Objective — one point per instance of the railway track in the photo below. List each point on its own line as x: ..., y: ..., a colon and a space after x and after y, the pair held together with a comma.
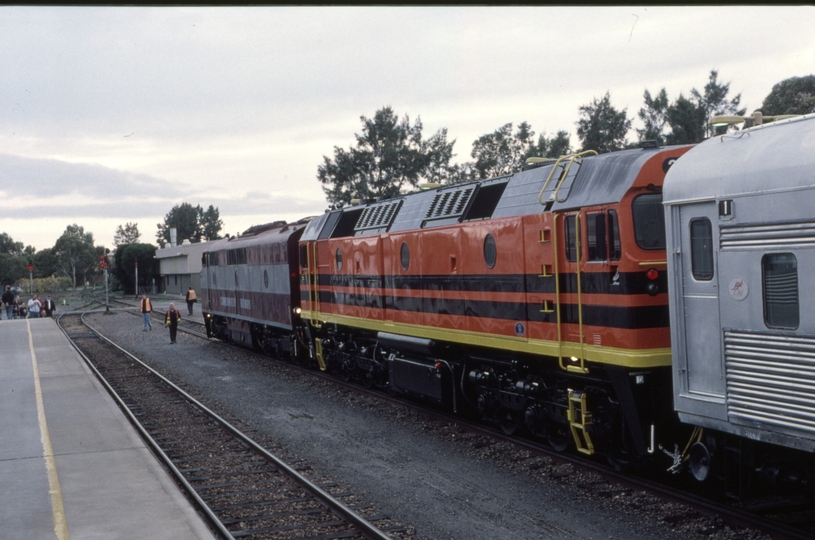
x: 789, y: 517
x: 243, y: 490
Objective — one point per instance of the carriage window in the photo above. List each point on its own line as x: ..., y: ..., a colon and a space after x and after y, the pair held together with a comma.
x: 701, y: 249
x: 780, y: 280
x: 266, y: 279
x: 339, y: 259
x: 649, y: 221
x: 571, y: 238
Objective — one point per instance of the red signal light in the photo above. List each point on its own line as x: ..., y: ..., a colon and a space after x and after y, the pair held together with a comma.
x: 652, y: 274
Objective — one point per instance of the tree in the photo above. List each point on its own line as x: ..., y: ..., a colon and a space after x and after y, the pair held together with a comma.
x: 504, y: 152
x: 12, y: 268
x: 75, y: 253
x: 602, y: 127
x: 558, y: 145
x: 129, y: 234
x: 795, y: 95
x: 8, y: 245
x: 124, y: 265
x: 191, y: 223
x: 714, y: 102
x: 654, y: 115
x: 687, y: 121
x: 211, y: 223
x: 390, y: 156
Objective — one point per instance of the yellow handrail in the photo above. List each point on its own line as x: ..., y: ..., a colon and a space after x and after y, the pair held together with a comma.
x: 571, y: 158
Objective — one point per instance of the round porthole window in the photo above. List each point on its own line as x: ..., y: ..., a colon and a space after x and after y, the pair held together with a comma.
x: 490, y: 253
x: 339, y: 259
x: 405, y: 256
x: 266, y: 279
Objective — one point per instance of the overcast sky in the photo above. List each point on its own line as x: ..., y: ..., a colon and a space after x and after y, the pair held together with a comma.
x: 111, y: 115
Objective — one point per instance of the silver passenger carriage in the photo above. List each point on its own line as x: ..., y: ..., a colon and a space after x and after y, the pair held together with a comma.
x: 740, y: 227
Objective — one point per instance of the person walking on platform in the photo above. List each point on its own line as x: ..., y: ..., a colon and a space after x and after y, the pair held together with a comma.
x: 171, y: 320
x: 191, y: 299
x: 34, y: 306
x: 8, y: 302
x: 49, y: 307
x: 146, y: 308
x: 17, y: 307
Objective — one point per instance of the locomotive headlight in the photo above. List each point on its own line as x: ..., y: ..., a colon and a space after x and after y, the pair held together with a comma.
x: 574, y: 359
x: 652, y: 289
x: 297, y: 311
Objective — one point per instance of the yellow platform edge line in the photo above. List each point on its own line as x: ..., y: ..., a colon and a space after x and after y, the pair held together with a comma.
x: 57, y: 509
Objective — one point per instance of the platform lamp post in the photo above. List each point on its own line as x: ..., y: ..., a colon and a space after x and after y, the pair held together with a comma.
x: 137, y: 278
x: 30, y: 278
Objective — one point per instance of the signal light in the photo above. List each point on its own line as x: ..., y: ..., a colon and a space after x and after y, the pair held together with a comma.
x: 652, y: 274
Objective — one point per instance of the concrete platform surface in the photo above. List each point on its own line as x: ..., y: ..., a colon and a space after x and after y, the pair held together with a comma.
x: 71, y: 465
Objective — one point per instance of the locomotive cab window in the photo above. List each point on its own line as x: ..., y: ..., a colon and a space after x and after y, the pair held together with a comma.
x: 339, y: 259
x: 780, y: 280
x: 649, y: 221
x: 570, y: 232
x: 602, y: 236
x: 701, y: 249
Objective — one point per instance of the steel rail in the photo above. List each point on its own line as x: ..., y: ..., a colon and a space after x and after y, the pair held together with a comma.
x: 367, y: 529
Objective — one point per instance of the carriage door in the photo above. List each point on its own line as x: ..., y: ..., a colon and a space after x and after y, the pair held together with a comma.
x: 700, y: 295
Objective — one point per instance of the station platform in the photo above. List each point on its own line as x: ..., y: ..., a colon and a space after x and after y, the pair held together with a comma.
x: 71, y: 465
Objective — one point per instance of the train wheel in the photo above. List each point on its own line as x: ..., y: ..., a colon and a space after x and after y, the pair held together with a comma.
x: 510, y: 422
x: 559, y: 440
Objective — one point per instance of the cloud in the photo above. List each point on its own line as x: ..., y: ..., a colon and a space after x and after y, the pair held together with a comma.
x: 35, y: 179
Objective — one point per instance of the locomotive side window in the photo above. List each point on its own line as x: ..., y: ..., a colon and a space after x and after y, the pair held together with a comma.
x: 404, y: 255
x: 780, y: 280
x: 649, y: 221
x: 603, y: 236
x: 596, y: 237
x: 614, y: 236
x: 303, y: 256
x: 701, y: 249
x: 569, y: 231
x: 339, y: 259
x: 490, y: 251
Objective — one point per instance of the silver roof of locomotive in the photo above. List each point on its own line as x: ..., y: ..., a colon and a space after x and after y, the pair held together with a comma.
x: 602, y: 179
x: 770, y: 157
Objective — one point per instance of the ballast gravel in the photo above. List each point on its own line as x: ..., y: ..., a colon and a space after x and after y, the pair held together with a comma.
x: 433, y: 477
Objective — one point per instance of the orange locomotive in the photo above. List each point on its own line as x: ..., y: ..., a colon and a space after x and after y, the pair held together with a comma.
x: 538, y: 299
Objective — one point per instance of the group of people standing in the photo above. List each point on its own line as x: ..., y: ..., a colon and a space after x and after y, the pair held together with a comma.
x: 171, y: 318
x: 34, y: 308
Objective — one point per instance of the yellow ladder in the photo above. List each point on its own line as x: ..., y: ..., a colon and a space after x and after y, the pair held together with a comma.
x: 579, y: 418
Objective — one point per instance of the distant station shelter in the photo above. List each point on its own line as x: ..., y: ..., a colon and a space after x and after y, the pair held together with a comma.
x: 180, y: 266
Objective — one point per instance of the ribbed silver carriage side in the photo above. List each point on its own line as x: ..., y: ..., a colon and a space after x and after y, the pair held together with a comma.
x: 740, y: 226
